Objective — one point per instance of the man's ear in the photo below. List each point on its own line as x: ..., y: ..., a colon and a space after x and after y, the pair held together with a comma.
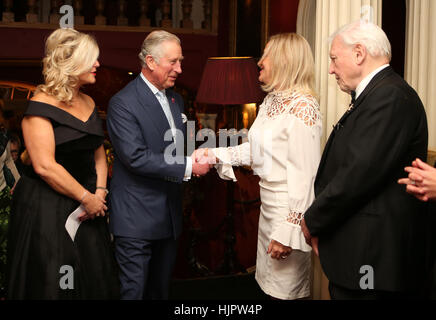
x: 359, y: 53
x: 149, y: 60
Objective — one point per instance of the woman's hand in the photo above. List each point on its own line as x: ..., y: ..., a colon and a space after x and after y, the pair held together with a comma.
x: 94, y: 205
x: 101, y: 194
x: 204, y: 156
x: 278, y: 251
x: 421, y: 181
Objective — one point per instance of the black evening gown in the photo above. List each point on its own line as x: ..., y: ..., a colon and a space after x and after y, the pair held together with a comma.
x: 38, y: 243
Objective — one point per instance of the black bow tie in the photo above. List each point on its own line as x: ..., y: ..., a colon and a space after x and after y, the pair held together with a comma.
x: 353, y: 97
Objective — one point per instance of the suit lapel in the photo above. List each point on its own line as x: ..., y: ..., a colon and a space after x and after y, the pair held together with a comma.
x: 324, y: 156
x: 175, y: 109
x: 152, y: 106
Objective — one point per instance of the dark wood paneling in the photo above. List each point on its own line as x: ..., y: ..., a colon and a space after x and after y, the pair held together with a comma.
x: 394, y: 24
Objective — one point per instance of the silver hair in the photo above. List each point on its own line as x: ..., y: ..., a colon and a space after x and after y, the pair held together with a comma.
x: 367, y: 34
x: 152, y: 45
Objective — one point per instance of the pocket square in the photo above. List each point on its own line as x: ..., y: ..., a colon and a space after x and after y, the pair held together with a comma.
x: 184, y: 118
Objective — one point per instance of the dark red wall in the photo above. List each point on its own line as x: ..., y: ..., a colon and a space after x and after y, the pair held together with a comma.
x: 120, y: 49
x: 223, y: 29
x: 394, y: 24
x: 283, y: 16
x: 117, y: 49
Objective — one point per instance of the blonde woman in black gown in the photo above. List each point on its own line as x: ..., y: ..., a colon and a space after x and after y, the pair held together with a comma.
x: 64, y: 138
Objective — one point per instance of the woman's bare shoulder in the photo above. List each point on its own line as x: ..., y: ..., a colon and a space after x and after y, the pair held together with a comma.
x: 45, y: 98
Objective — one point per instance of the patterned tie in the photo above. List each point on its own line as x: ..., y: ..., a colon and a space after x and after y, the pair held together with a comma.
x: 166, y: 109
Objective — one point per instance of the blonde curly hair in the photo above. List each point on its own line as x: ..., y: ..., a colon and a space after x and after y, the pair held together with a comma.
x: 68, y: 54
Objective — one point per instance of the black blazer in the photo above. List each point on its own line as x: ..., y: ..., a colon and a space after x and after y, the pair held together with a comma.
x: 361, y: 215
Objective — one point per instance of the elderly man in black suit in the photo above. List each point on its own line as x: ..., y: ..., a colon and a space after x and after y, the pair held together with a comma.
x: 369, y: 231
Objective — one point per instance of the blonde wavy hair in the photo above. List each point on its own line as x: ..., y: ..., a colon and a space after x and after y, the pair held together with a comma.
x: 68, y: 54
x: 292, y: 64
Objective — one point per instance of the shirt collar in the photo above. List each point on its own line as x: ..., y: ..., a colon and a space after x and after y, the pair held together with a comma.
x: 151, y: 86
x: 362, y: 85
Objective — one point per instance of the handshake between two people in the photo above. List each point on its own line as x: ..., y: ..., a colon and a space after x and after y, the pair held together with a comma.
x: 202, y: 161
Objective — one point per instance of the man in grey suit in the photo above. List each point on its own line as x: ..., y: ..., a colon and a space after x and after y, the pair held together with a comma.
x: 145, y: 124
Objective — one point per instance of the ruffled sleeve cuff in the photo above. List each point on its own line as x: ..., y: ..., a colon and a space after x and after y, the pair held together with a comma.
x: 223, y: 166
x: 225, y: 171
x: 291, y: 235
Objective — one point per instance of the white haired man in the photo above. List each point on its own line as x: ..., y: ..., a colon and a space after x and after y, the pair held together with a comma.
x: 370, y: 232
x: 145, y: 122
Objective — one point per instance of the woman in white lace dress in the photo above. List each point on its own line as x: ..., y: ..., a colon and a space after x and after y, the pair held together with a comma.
x: 283, y: 148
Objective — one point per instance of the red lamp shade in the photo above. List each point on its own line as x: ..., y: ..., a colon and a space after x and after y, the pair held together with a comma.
x: 230, y: 81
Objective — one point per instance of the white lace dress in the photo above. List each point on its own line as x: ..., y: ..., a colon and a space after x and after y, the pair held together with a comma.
x: 283, y: 148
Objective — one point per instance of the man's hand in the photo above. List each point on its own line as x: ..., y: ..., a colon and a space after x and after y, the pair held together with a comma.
x: 306, y: 232
x: 199, y: 168
x: 278, y: 251
x: 314, y: 244
x: 311, y: 241
x: 202, y: 161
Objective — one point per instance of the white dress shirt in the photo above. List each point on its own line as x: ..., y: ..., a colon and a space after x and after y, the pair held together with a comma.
x: 163, y: 101
x: 362, y: 85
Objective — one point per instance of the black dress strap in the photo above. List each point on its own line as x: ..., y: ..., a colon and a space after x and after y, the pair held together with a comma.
x: 66, y: 126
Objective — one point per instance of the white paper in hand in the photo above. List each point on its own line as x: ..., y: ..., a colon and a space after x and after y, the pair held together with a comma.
x: 73, y: 222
